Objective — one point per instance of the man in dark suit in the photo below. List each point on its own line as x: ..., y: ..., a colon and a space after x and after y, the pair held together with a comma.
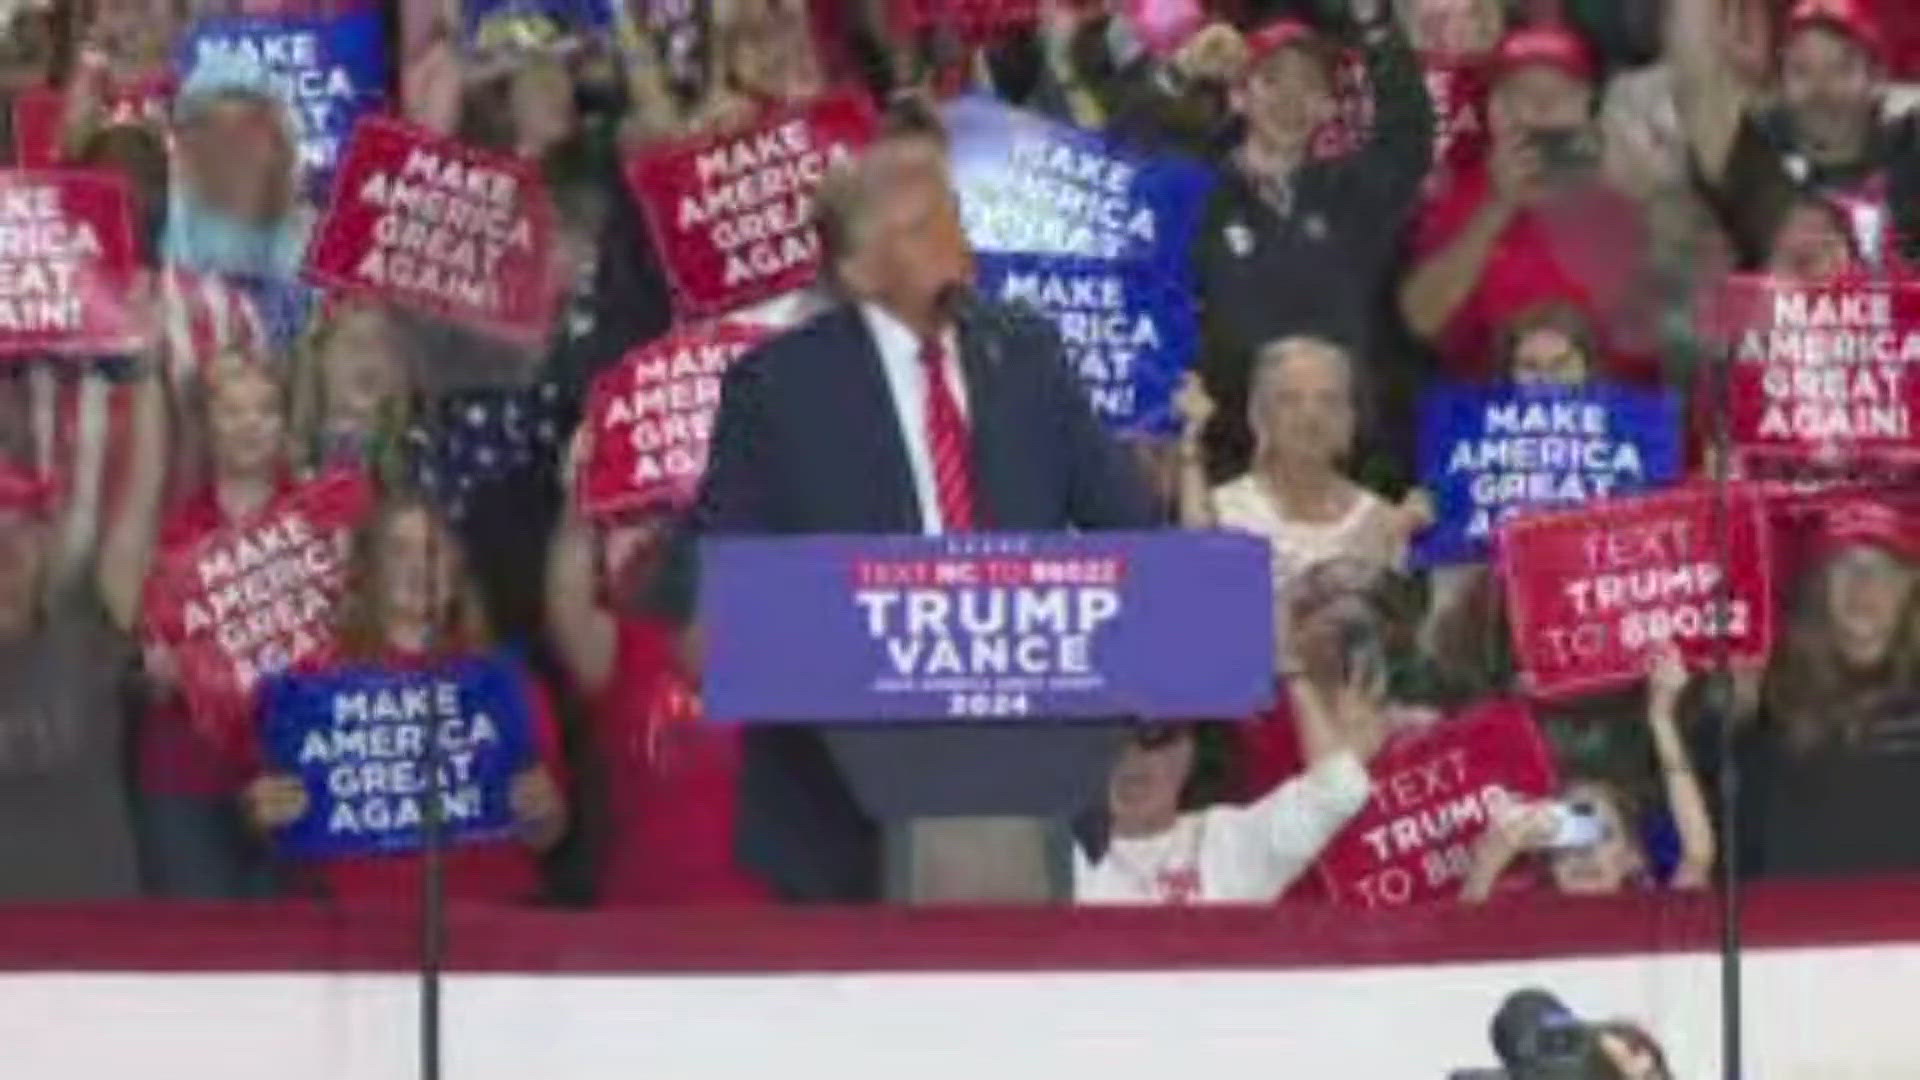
x: 896, y: 413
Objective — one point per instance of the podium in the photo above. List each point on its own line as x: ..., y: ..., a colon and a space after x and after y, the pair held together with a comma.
x: 983, y: 678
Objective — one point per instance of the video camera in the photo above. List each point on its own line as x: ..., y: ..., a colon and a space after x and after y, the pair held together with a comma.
x: 1538, y: 1038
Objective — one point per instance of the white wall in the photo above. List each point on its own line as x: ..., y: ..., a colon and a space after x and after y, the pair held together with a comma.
x: 1831, y: 1014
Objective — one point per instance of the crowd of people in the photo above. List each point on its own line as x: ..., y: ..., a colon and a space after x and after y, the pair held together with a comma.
x: 1483, y: 191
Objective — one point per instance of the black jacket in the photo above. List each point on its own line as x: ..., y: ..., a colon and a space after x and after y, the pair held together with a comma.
x: 1325, y: 267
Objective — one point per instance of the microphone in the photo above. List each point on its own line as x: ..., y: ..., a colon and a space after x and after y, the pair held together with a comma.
x: 987, y: 324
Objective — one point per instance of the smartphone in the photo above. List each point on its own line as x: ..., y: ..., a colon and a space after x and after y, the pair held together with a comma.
x: 1565, y: 151
x: 1577, y: 825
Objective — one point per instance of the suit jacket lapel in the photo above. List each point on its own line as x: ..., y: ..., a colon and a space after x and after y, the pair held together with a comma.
x: 894, y: 501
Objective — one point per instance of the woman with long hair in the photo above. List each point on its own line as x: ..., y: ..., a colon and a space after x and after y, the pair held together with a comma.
x: 350, y: 391
x: 764, y: 58
x: 411, y: 605
x: 192, y: 842
x: 1842, y: 743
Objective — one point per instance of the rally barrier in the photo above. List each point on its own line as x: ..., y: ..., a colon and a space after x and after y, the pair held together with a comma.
x: 358, y: 738
x: 985, y: 626
x: 440, y: 226
x: 732, y: 215
x: 1487, y: 453
x: 67, y: 264
x: 331, y: 71
x: 325, y: 994
x: 651, y: 419
x: 1591, y: 592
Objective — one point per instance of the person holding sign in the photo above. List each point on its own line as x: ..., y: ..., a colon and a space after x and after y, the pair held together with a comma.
x: 1842, y: 748
x: 1814, y: 243
x: 414, y: 609
x: 1591, y: 838
x: 1158, y: 849
x: 909, y: 408
x: 65, y: 827
x: 192, y: 842
x: 671, y: 779
x: 765, y: 59
x: 1295, y: 244
x: 1302, y: 412
x: 1550, y: 345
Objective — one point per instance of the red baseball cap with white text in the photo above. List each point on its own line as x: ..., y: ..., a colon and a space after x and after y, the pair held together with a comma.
x: 1550, y: 46
x: 1854, y: 522
x: 1849, y: 18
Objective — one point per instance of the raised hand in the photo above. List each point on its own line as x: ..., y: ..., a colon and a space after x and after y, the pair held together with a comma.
x: 1193, y: 405
x: 1667, y: 679
x: 274, y: 801
x: 539, y: 813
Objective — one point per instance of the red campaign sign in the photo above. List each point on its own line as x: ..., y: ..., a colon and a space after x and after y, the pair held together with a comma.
x: 255, y: 599
x: 732, y: 214
x: 1591, y: 591
x: 1436, y: 791
x: 67, y: 263
x: 433, y: 224
x: 1824, y: 372
x: 652, y: 415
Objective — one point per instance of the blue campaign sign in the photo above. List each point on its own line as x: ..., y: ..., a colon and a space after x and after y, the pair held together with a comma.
x: 1034, y: 186
x: 1487, y: 452
x: 984, y: 626
x: 357, y: 737
x: 1129, y: 332
x: 331, y: 71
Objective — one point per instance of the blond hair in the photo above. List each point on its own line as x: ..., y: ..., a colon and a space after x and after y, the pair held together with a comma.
x: 362, y: 617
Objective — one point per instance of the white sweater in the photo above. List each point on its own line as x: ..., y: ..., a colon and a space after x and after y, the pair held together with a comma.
x: 1230, y: 854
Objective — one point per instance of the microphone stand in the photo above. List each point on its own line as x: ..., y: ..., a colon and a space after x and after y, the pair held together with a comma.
x: 433, y: 929
x: 1720, y: 711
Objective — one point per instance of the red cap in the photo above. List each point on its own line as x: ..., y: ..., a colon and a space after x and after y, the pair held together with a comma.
x: 1276, y: 35
x: 1544, y: 46
x: 23, y: 490
x: 1847, y: 17
x: 1165, y: 25
x: 1855, y: 521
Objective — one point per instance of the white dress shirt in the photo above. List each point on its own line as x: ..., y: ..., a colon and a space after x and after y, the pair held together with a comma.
x: 899, y: 349
x: 1230, y: 854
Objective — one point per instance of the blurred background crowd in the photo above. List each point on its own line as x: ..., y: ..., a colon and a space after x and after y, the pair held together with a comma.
x: 1525, y: 191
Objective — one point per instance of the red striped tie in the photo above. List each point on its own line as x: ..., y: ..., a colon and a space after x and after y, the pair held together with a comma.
x: 948, y: 441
